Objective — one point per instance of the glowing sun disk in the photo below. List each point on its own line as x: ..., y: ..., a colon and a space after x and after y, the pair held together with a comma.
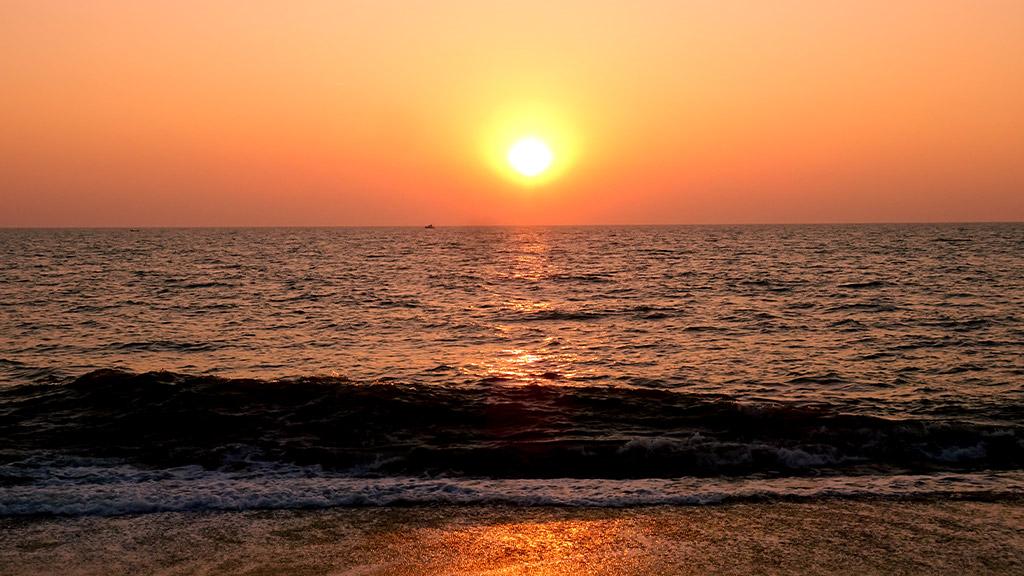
x: 530, y: 156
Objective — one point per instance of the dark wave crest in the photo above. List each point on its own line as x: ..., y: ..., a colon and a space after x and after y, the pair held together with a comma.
x: 163, y: 419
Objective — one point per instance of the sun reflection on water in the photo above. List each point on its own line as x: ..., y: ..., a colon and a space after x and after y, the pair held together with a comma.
x: 525, y: 367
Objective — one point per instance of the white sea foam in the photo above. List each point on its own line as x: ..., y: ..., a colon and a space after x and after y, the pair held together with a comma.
x: 105, y: 490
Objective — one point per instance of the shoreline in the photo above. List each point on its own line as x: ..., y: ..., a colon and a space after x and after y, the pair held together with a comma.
x: 112, y: 491
x: 823, y: 537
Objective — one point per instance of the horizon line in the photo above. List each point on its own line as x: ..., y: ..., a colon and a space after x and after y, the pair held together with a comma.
x: 598, y: 225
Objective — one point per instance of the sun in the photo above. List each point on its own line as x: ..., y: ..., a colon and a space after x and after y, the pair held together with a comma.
x: 530, y: 144
x: 530, y: 156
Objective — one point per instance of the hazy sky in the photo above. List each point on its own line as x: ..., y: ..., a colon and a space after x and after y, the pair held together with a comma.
x: 366, y: 113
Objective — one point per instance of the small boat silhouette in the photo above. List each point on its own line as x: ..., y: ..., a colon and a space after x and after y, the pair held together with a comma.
x: 430, y: 226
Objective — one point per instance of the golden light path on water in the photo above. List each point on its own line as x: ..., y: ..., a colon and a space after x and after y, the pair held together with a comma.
x: 545, y: 363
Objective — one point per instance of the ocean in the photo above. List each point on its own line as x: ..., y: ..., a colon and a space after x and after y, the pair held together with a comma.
x: 162, y: 370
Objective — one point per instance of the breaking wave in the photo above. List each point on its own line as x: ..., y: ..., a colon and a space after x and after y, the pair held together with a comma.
x: 165, y: 420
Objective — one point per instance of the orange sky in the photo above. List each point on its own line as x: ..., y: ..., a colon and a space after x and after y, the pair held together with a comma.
x: 332, y: 112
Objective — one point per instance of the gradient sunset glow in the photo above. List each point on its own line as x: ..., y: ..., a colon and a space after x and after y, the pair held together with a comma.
x: 377, y: 113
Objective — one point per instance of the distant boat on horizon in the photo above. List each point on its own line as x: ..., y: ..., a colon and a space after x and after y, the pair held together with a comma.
x: 430, y: 226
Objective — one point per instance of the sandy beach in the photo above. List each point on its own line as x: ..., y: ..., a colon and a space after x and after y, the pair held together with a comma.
x: 847, y: 537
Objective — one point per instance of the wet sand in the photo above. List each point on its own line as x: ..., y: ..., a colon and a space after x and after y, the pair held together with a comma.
x: 846, y: 537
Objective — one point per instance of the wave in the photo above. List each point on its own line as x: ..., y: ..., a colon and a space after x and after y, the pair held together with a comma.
x: 114, y: 490
x: 864, y: 284
x: 564, y: 315
x: 491, y: 429
x: 165, y: 346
